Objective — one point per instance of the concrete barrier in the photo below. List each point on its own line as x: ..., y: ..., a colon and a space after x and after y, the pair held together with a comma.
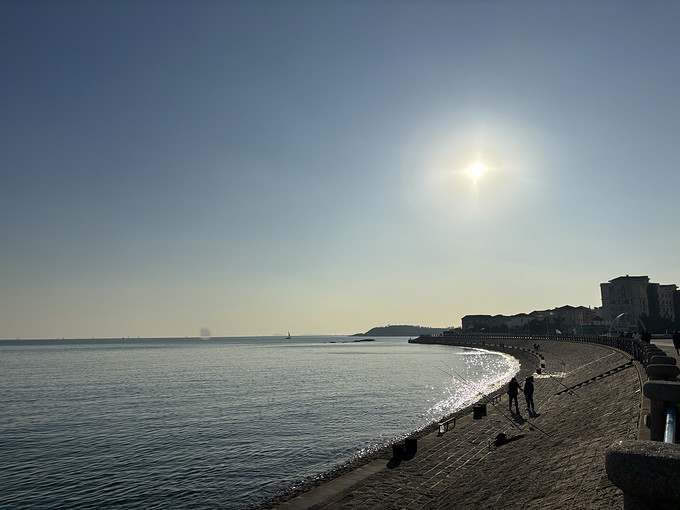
x: 663, y: 360
x: 660, y: 395
x: 648, y: 473
x: 662, y: 372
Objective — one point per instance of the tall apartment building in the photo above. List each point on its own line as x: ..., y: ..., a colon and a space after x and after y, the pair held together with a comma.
x: 661, y: 300
x: 625, y: 294
x: 635, y: 296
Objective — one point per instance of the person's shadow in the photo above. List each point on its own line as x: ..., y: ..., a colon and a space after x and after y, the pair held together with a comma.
x: 517, y: 418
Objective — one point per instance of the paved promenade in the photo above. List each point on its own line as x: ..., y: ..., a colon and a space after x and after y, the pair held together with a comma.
x: 555, y: 459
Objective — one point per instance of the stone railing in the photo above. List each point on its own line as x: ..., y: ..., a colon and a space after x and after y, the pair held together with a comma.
x: 648, y: 472
x: 624, y: 344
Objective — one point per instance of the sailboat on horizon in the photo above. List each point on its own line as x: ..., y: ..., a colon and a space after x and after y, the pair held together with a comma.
x: 288, y: 337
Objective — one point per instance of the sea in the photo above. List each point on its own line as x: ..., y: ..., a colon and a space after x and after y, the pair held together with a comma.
x: 220, y: 423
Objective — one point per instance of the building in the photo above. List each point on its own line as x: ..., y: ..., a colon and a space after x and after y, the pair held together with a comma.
x: 664, y: 300
x: 520, y: 321
x: 625, y: 294
x: 637, y: 297
x: 483, y: 322
x: 475, y: 322
x: 654, y: 306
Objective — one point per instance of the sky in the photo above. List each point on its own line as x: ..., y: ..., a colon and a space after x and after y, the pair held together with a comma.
x: 269, y: 166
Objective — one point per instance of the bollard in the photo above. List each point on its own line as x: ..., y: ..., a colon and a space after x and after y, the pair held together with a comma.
x: 479, y: 411
x: 410, y: 446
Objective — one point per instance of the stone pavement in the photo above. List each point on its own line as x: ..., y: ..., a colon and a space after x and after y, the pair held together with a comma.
x: 555, y: 459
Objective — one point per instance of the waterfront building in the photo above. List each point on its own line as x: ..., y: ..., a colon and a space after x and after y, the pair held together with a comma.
x: 637, y: 297
x: 625, y: 294
x: 653, y: 306
x: 484, y: 322
x: 663, y: 304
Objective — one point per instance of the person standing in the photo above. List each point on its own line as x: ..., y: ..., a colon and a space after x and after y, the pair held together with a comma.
x: 529, y: 393
x: 676, y: 341
x: 513, y: 390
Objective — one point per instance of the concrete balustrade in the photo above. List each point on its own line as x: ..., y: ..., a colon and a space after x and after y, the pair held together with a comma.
x: 665, y: 372
x: 648, y: 473
x: 651, y: 353
x: 663, y: 360
x: 660, y: 395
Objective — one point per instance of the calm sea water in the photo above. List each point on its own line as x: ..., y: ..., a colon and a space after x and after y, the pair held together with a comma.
x: 220, y: 423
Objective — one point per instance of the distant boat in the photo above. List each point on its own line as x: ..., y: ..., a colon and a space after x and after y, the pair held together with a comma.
x: 288, y: 337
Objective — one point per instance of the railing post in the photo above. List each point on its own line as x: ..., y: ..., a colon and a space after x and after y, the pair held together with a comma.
x: 660, y: 395
x: 648, y: 472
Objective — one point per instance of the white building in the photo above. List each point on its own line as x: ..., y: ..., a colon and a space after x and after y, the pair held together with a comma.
x: 625, y: 294
x: 635, y: 296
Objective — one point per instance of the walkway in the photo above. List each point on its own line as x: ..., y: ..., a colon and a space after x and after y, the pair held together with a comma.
x: 555, y: 460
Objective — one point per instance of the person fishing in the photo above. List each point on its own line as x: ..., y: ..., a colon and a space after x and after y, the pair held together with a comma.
x: 529, y: 393
x: 513, y: 390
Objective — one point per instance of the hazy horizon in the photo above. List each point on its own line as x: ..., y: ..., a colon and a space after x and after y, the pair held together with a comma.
x: 260, y: 167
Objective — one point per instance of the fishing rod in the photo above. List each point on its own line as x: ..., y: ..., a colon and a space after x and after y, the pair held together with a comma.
x: 484, y: 396
x: 490, y: 401
x: 571, y: 392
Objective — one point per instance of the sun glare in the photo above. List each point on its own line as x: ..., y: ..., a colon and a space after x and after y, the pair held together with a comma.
x: 476, y: 170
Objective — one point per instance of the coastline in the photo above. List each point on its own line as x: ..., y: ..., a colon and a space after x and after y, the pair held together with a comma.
x: 557, y: 460
x: 528, y: 362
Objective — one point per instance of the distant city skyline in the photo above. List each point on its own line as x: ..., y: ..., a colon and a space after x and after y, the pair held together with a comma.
x: 255, y: 168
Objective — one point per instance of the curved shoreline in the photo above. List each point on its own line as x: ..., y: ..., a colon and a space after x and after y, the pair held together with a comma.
x: 557, y: 460
x: 527, y: 364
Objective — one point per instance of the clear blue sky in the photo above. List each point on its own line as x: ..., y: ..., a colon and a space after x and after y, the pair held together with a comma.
x: 258, y: 167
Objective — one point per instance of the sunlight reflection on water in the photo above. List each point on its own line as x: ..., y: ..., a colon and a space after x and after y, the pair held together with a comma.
x: 218, y: 423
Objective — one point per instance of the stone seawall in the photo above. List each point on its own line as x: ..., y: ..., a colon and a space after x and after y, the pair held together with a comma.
x: 587, y: 397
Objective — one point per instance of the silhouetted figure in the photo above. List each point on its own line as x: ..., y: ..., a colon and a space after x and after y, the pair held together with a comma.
x: 513, y: 390
x: 529, y: 393
x: 676, y: 341
x: 646, y: 336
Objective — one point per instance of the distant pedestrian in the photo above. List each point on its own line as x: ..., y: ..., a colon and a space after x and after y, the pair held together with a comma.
x: 676, y: 341
x: 513, y: 390
x: 529, y: 393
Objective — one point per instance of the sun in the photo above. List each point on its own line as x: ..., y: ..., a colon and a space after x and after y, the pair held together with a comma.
x: 476, y: 170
